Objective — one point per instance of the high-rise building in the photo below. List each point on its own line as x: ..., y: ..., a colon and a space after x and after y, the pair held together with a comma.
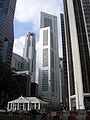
x: 77, y: 31
x: 19, y: 63
x: 30, y: 53
x: 48, y: 57
x: 65, y: 97
x: 7, y: 9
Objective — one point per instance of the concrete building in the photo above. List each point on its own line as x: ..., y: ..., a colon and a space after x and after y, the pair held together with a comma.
x: 29, y: 52
x: 25, y: 104
x: 7, y: 9
x: 77, y: 31
x: 48, y: 57
x: 65, y: 95
x: 19, y: 63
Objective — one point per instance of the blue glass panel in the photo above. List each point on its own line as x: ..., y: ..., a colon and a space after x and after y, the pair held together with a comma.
x: 4, y: 53
x: 4, y: 5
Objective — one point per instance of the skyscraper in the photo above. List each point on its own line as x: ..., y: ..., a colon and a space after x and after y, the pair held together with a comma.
x: 77, y: 26
x: 7, y: 9
x: 65, y: 80
x: 48, y: 57
x: 30, y: 53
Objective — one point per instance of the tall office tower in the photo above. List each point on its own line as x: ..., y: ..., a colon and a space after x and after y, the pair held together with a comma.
x: 30, y: 53
x: 77, y: 26
x: 48, y: 57
x: 65, y: 97
x: 7, y: 9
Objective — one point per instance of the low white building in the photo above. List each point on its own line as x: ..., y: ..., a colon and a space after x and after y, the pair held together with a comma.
x: 25, y: 104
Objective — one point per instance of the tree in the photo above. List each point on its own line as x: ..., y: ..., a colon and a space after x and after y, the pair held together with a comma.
x: 54, y: 106
x: 9, y: 87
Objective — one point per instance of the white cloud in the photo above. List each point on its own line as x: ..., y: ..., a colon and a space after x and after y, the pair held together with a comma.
x: 19, y: 45
x: 29, y: 10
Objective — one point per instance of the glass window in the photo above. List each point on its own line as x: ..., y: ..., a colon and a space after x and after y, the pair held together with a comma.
x: 4, y: 52
x: 45, y: 37
x: 45, y: 57
x: 1, y: 4
x: 47, y: 22
x: 45, y: 80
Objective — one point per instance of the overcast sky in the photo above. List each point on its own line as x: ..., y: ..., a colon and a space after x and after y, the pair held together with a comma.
x: 27, y: 19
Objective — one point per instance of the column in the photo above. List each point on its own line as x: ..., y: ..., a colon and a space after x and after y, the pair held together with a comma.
x: 23, y: 107
x: 8, y: 107
x: 13, y: 106
x: 38, y: 105
x: 34, y: 105
x: 28, y: 106
x: 18, y: 106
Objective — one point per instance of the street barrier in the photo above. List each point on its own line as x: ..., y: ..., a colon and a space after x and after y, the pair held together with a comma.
x: 73, y: 115
x: 87, y: 115
x: 58, y: 115
x: 81, y: 115
x: 48, y: 114
x: 65, y: 115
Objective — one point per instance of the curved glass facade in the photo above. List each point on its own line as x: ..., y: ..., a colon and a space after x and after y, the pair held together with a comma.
x: 7, y: 9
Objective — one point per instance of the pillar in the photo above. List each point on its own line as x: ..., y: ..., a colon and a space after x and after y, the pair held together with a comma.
x: 38, y: 105
x: 8, y: 107
x: 18, y: 106
x: 23, y: 107
x: 34, y: 105
x: 28, y: 106
x: 12, y: 106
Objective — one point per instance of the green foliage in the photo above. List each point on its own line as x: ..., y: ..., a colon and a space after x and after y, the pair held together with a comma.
x: 8, y: 85
x: 54, y: 107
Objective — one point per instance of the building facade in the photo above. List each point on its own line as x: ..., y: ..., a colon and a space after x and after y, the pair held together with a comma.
x: 48, y: 57
x: 77, y: 22
x: 30, y: 53
x: 7, y: 9
x: 65, y: 97
x: 19, y: 63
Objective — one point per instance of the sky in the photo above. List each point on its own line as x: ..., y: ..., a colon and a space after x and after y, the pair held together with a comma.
x: 27, y: 19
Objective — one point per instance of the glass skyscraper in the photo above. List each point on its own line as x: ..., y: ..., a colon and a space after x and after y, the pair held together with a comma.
x: 30, y: 53
x: 77, y: 38
x: 48, y: 58
x: 7, y: 9
x: 65, y: 80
